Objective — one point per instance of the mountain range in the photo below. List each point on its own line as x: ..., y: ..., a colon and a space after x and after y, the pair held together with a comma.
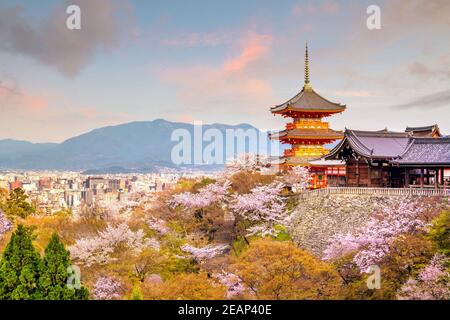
x: 141, y: 146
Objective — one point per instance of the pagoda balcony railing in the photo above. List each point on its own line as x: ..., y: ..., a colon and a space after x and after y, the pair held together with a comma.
x: 307, y: 124
x: 289, y: 153
x: 308, y: 151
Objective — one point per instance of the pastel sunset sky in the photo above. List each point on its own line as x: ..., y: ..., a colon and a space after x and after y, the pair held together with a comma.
x: 219, y: 62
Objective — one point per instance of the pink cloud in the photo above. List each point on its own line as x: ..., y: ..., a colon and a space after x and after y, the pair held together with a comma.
x: 187, y: 118
x: 34, y: 104
x: 232, y: 83
x: 23, y: 101
x: 254, y: 47
x: 88, y: 113
x: 4, y: 92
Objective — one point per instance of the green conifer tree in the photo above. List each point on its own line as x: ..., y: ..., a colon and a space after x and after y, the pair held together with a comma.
x: 20, y: 267
x: 55, y: 276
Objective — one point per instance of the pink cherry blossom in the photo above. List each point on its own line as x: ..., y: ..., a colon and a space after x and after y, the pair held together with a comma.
x: 264, y: 207
x: 107, y: 288
x: 211, y: 194
x: 234, y: 284
x: 298, y: 178
x: 430, y: 283
x: 158, y: 225
x: 98, y: 249
x: 373, y: 240
x: 5, y: 224
x: 208, y: 252
x: 246, y: 162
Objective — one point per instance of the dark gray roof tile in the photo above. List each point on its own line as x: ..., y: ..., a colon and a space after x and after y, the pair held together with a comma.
x: 427, y: 151
x: 309, y: 100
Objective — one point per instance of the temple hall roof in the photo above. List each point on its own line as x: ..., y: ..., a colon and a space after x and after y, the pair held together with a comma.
x: 426, y: 131
x: 426, y: 151
x: 381, y: 144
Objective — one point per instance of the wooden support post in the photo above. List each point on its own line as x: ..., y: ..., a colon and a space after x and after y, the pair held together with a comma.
x: 421, y: 177
x: 357, y: 172
x: 406, y: 178
x: 436, y: 178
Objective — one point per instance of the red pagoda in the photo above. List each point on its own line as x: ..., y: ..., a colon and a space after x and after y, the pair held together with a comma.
x: 307, y: 133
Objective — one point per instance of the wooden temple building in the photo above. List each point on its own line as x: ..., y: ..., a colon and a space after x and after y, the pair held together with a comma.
x: 418, y: 157
x: 308, y: 133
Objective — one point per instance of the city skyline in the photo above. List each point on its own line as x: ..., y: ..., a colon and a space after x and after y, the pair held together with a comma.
x: 218, y: 63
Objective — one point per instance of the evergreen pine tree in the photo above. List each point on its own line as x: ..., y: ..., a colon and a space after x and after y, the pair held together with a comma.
x: 20, y: 267
x: 54, y: 276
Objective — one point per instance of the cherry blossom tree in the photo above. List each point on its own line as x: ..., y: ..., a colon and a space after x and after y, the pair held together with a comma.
x: 234, y: 284
x: 316, y: 220
x: 208, y: 252
x: 98, y: 249
x: 5, y: 224
x: 211, y: 194
x: 158, y: 225
x: 246, y: 162
x: 431, y: 284
x: 264, y: 207
x: 373, y: 240
x: 298, y: 178
x: 107, y: 288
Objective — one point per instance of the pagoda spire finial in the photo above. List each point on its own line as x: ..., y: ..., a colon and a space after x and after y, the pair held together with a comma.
x: 307, y: 85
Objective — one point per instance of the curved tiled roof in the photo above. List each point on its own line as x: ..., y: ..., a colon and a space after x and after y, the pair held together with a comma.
x: 424, y: 128
x: 426, y: 151
x: 426, y: 131
x: 308, y: 100
x: 299, y: 133
x: 296, y: 160
x: 374, y: 144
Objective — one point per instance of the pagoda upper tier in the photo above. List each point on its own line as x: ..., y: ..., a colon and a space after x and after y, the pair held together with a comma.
x: 307, y: 104
x: 307, y: 133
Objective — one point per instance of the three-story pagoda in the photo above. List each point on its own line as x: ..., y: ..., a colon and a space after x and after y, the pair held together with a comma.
x: 307, y: 133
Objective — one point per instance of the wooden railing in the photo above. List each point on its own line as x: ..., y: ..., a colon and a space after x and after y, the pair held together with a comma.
x: 377, y: 191
x: 307, y: 124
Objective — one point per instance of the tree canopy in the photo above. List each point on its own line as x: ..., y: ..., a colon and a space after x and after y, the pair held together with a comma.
x: 280, y: 270
x: 17, y: 204
x: 24, y: 275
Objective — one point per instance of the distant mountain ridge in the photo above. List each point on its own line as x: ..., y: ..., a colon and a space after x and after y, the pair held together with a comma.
x: 10, y: 146
x: 135, y: 146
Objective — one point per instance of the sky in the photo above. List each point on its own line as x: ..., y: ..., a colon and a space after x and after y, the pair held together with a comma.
x: 219, y: 62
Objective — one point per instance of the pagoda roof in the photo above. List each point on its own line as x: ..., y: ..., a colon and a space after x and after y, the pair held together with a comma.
x: 306, y: 133
x: 426, y: 131
x: 308, y: 101
x: 382, y: 144
x: 297, y: 161
x: 426, y: 152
